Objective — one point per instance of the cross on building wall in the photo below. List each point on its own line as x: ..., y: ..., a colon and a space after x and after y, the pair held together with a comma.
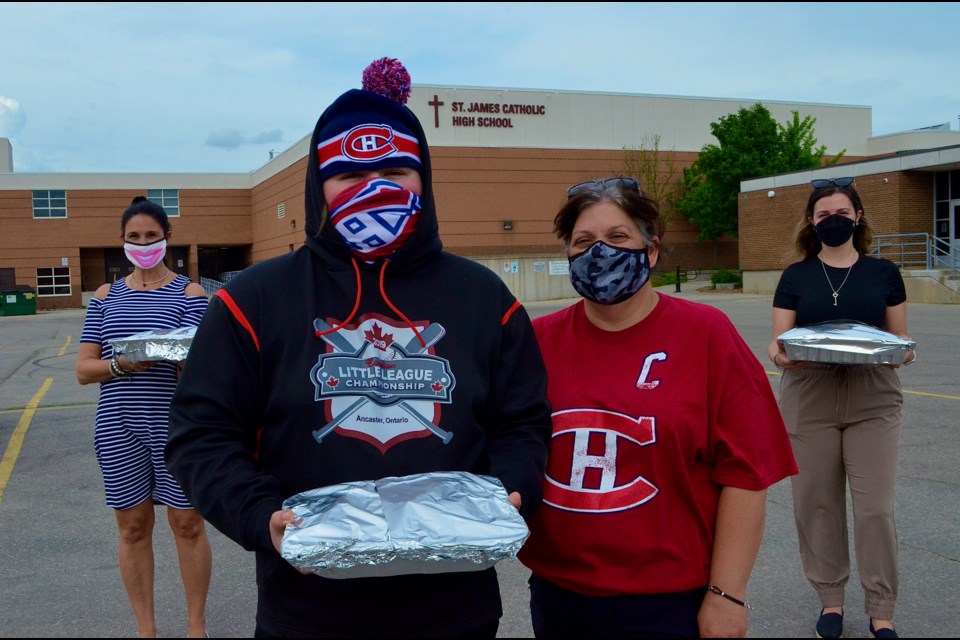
x: 436, y: 104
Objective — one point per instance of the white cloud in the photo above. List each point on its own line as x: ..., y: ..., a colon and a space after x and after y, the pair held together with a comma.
x: 232, y: 138
x: 225, y: 139
x: 274, y: 135
x: 12, y: 118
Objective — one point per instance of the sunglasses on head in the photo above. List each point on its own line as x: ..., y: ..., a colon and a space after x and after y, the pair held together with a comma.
x: 622, y: 182
x: 840, y: 182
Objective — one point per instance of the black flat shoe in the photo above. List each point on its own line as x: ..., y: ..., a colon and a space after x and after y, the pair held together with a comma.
x: 830, y: 625
x: 882, y: 632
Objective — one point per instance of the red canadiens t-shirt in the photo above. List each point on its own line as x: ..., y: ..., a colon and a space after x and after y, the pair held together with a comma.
x: 649, y: 424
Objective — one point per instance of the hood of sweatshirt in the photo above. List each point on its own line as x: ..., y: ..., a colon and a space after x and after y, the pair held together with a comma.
x: 423, y: 244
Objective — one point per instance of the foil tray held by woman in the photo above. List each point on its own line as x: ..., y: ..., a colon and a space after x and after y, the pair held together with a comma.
x: 845, y: 342
x: 424, y: 523
x: 171, y: 345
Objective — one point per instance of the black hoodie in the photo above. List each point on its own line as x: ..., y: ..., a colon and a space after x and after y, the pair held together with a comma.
x: 265, y: 410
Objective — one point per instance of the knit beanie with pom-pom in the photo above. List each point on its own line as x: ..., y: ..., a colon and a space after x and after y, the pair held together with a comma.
x: 370, y: 128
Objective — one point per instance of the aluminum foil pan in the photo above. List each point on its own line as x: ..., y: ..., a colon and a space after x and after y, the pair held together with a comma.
x: 435, y: 522
x: 844, y: 342
x: 161, y: 344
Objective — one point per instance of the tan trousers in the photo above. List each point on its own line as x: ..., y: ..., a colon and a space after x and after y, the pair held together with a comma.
x: 845, y: 426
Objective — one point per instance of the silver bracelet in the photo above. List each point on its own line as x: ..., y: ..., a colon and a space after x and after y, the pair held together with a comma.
x: 116, y: 371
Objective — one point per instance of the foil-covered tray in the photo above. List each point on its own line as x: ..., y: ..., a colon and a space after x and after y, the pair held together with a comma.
x: 434, y: 522
x: 159, y: 344
x: 845, y: 342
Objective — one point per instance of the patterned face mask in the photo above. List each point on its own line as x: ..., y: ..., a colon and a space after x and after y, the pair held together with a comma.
x: 375, y: 217
x: 608, y: 275
x: 145, y: 256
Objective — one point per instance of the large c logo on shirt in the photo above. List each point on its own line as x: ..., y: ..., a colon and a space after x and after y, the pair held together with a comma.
x: 593, y: 464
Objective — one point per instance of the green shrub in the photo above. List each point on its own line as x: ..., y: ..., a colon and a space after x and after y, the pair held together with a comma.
x: 663, y: 279
x: 722, y: 276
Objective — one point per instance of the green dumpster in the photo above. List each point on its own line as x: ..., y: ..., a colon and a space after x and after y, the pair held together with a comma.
x: 18, y: 301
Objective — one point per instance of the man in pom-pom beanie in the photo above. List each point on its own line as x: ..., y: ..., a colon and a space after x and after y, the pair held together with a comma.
x: 369, y: 353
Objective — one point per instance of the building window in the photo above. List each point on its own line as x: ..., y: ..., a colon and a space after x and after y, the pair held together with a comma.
x: 169, y: 199
x: 8, y: 279
x: 49, y: 204
x: 53, y: 281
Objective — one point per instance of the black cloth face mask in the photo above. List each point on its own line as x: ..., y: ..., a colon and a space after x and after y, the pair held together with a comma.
x: 834, y: 230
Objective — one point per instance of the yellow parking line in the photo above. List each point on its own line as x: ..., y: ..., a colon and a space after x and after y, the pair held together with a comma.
x: 55, y: 407
x: 66, y: 344
x: 16, y: 440
x: 932, y: 395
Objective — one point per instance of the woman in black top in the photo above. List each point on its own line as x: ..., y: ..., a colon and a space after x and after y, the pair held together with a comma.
x: 844, y: 420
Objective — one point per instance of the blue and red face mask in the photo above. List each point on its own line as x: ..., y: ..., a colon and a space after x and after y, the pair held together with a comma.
x: 375, y: 217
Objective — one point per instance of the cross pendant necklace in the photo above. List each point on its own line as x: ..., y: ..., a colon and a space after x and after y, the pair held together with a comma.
x: 836, y: 292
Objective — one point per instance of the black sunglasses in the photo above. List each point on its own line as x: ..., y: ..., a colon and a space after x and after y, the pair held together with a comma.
x: 622, y: 182
x: 840, y: 182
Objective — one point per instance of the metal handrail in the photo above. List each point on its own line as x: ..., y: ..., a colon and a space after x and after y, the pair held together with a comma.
x: 917, y: 251
x: 210, y: 286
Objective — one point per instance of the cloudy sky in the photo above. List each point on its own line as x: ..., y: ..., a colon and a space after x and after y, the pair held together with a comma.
x: 213, y: 87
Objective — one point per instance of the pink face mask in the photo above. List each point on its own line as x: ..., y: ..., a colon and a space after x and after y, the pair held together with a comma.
x: 145, y: 256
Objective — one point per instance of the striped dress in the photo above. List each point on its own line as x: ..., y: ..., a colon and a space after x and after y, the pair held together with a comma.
x: 132, y: 414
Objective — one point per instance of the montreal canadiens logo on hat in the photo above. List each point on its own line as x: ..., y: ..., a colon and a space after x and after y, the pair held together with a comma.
x: 367, y: 143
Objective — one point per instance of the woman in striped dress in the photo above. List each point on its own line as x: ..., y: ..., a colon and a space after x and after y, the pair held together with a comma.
x: 131, y: 424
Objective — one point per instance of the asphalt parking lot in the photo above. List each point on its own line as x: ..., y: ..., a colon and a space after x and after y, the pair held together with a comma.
x: 58, y: 540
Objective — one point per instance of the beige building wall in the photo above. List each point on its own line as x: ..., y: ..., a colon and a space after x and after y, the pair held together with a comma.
x: 278, y: 212
x: 528, y: 118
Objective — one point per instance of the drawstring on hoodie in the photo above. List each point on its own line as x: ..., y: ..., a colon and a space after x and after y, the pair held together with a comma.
x: 383, y: 294
x: 356, y: 304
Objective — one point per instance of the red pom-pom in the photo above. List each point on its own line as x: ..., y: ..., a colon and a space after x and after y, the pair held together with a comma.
x: 387, y: 77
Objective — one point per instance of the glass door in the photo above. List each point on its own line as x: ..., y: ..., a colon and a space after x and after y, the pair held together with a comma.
x: 955, y: 224
x: 954, y: 233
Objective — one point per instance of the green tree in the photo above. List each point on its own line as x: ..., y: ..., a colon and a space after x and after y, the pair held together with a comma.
x: 658, y: 175
x: 751, y: 145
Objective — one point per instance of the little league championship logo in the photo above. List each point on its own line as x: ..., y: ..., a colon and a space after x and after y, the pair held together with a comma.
x: 593, y: 465
x: 382, y: 383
